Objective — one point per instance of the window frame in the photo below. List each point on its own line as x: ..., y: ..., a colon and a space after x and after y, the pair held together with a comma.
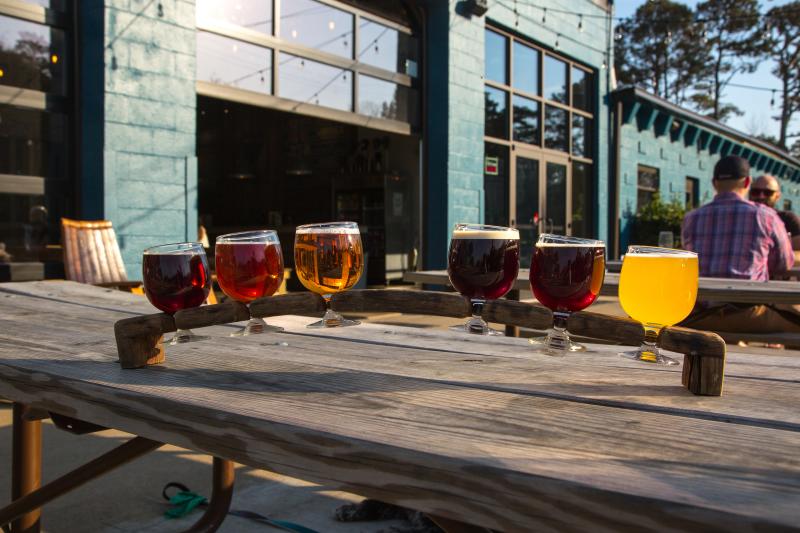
x: 695, y: 193
x: 542, y: 101
x: 273, y: 44
x: 639, y: 187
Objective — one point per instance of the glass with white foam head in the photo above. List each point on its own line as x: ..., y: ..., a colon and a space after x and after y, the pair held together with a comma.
x: 329, y: 258
x: 249, y: 266
x: 566, y: 276
x: 657, y: 287
x: 483, y: 263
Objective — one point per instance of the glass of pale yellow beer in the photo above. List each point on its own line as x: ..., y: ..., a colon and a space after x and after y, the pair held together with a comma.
x: 657, y: 287
x: 328, y: 258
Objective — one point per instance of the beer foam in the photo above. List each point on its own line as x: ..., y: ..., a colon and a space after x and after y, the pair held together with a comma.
x: 486, y: 234
x: 326, y: 231
x: 683, y: 254
x: 597, y: 244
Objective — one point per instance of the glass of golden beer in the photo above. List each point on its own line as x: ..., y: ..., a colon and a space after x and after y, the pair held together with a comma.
x: 657, y: 287
x: 328, y: 258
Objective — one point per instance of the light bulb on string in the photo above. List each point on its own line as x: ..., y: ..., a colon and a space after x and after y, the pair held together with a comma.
x: 617, y: 35
x: 544, y: 15
x: 580, y: 22
x: 558, y: 36
x: 772, y: 100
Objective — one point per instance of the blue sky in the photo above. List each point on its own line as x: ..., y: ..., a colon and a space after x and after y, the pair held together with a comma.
x: 757, y: 118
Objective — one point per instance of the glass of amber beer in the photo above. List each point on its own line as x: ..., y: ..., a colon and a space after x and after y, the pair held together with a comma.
x: 328, y: 258
x: 483, y: 264
x: 249, y: 266
x: 566, y: 276
x: 657, y: 287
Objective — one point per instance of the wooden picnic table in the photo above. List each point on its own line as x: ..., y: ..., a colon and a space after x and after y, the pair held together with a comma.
x: 709, y: 289
x: 483, y: 430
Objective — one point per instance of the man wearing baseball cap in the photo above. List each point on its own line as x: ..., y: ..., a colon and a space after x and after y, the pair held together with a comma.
x: 737, y: 238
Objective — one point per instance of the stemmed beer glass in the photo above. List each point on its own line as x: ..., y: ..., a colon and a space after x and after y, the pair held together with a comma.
x: 657, y: 287
x: 328, y: 258
x: 566, y: 276
x: 176, y: 277
x: 483, y: 264
x: 249, y: 266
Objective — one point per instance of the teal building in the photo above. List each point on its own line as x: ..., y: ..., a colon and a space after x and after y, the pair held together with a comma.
x: 406, y: 116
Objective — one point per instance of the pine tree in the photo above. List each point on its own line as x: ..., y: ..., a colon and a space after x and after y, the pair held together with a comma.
x: 782, y: 31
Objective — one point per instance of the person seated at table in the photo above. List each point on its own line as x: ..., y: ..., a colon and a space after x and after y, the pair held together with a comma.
x: 767, y: 190
x: 737, y: 238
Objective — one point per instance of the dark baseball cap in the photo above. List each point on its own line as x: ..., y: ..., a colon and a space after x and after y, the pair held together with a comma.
x: 731, y: 167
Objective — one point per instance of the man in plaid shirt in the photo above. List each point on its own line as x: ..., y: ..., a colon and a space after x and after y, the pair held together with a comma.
x: 737, y: 238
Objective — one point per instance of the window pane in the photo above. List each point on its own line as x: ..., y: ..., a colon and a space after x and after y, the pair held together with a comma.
x: 693, y: 193
x: 318, y: 26
x: 582, y: 89
x: 526, y: 120
x: 32, y: 143
x: 581, y: 136
x: 556, y: 128
x: 32, y: 56
x: 387, y: 48
x: 556, y: 198
x: 555, y: 79
x: 235, y: 63
x: 251, y: 14
x: 648, y: 182
x: 384, y: 99
x: 315, y: 83
x: 495, y: 184
x: 582, y: 213
x: 496, y: 57
x: 526, y: 68
x: 496, y: 106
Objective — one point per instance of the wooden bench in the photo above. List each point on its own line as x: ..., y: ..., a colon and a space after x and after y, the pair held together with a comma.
x: 139, y: 339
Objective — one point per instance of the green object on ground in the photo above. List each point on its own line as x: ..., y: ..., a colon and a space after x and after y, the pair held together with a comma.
x: 183, y: 503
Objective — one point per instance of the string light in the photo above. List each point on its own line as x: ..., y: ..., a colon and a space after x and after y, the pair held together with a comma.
x: 772, y: 100
x: 580, y: 22
x: 544, y: 16
x: 558, y: 36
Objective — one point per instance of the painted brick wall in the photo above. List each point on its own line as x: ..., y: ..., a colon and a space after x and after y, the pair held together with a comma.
x: 149, y: 177
x: 675, y: 162
x: 455, y: 126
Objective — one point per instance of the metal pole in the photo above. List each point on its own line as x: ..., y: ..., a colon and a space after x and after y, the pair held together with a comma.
x: 23, y: 506
x: 221, y: 495
x: 26, y: 468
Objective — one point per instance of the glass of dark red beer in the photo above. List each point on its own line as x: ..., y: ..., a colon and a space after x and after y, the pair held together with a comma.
x: 176, y: 277
x: 566, y: 276
x: 249, y: 266
x: 483, y: 264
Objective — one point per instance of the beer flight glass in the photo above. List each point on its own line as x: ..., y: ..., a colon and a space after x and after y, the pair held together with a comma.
x: 482, y: 264
x: 249, y: 266
x: 176, y: 277
x: 657, y: 287
x: 566, y: 275
x: 328, y: 258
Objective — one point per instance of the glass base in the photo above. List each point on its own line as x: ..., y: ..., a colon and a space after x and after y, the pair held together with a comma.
x: 333, y: 319
x: 254, y: 327
x: 650, y: 355
x: 555, y: 345
x: 182, y: 336
x: 467, y: 328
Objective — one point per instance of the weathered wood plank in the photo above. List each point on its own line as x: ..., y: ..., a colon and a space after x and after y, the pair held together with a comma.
x: 491, y: 458
x: 709, y: 289
x: 421, y: 302
x: 304, y: 303
x: 211, y: 315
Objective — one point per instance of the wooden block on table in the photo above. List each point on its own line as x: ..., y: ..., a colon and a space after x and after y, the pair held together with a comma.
x: 400, y: 301
x: 211, y: 315
x: 299, y: 303
x: 140, y: 339
x: 520, y: 314
x: 606, y: 327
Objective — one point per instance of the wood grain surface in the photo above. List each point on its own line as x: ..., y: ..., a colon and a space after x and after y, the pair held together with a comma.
x: 709, y: 289
x: 487, y: 431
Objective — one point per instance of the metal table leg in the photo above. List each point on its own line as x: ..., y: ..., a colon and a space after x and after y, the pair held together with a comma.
x: 221, y: 495
x: 26, y: 468
x: 29, y: 504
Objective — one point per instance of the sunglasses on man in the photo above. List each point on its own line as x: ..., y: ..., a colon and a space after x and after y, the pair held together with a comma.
x: 762, y: 192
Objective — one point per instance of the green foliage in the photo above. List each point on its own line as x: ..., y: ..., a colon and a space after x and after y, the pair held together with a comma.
x: 655, y: 217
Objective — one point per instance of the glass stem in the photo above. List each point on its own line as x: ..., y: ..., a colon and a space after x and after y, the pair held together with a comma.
x: 477, y: 308
x: 557, y: 338
x: 476, y: 324
x: 651, y: 338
